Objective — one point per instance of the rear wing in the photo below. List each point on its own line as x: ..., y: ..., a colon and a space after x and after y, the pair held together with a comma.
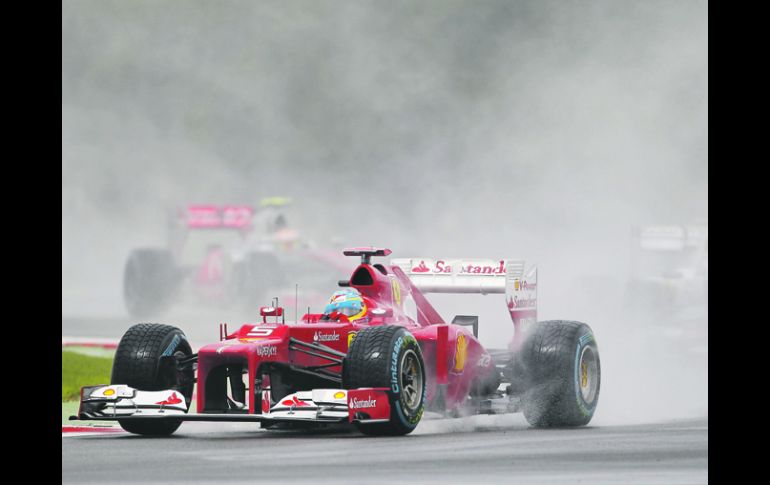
x: 461, y: 275
x: 670, y: 238
x: 482, y: 276
x: 212, y: 216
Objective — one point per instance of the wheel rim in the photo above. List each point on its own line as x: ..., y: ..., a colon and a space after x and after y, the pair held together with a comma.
x: 588, y: 374
x: 411, y: 381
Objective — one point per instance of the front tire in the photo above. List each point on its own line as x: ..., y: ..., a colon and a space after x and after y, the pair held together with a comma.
x: 375, y: 356
x: 146, y: 360
x: 563, y: 373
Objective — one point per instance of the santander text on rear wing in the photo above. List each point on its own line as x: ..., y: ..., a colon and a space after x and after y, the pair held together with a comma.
x: 483, y: 276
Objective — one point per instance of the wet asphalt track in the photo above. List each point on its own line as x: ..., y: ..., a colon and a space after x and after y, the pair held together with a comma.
x: 492, y: 449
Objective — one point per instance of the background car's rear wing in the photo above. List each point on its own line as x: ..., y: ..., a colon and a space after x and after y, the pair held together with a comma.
x: 482, y: 276
x: 212, y: 216
x: 670, y: 238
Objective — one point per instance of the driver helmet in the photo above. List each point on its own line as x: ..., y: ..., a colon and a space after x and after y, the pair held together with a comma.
x: 347, y: 302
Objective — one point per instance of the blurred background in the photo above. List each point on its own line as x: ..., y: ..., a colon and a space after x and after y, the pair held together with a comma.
x: 549, y: 131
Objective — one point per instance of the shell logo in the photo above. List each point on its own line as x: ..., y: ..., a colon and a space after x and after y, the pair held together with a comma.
x: 461, y: 353
x: 109, y: 392
x: 339, y: 395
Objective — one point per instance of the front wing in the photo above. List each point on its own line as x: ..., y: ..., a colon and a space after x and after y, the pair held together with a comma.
x: 120, y: 402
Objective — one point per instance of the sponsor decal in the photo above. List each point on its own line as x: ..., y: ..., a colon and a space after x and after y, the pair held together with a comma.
x: 172, y: 346
x: 485, y: 269
x: 339, y: 395
x: 351, y: 336
x: 172, y: 399
x: 484, y: 360
x: 524, y: 285
x: 461, y: 353
x: 396, y: 291
x: 326, y: 337
x: 441, y: 266
x: 394, y: 365
x: 516, y: 303
x: 213, y: 216
x: 109, y: 392
x: 236, y: 216
x: 267, y: 350
x: 203, y: 216
x: 420, y: 268
x: 260, y: 331
x: 294, y: 402
x: 356, y: 403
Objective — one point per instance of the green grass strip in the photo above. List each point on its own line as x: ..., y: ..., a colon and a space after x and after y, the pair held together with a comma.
x: 82, y: 370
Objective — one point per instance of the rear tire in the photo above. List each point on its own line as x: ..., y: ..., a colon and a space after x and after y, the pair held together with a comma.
x: 560, y: 360
x: 369, y: 363
x: 149, y: 280
x: 146, y: 360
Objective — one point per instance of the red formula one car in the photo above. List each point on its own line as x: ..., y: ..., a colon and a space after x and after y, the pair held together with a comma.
x: 379, y: 356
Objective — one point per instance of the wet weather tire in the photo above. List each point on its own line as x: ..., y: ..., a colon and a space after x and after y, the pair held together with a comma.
x: 146, y: 360
x: 563, y: 374
x: 149, y: 280
x: 388, y: 356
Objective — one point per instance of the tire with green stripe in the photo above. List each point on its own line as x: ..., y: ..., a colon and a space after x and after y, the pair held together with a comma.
x: 388, y: 356
x: 563, y: 374
x: 146, y: 360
